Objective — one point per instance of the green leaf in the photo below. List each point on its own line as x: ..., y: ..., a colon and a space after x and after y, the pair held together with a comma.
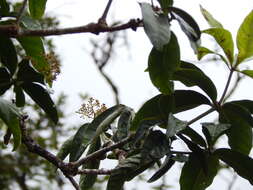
x: 27, y: 73
x: 194, y: 136
x: 37, y: 8
x: 165, y: 4
x: 156, y: 145
x: 188, y: 25
x: 240, y: 133
x: 10, y: 116
x: 194, y: 77
x: 203, y: 51
x: 193, y: 176
x: 249, y: 73
x: 20, y: 96
x: 241, y: 163
x: 174, y: 126
x: 4, y: 8
x: 224, y: 38
x: 156, y: 26
x: 214, y: 131
x: 210, y: 19
x: 247, y: 104
x: 88, y: 180
x: 244, y: 39
x: 65, y: 148
x: 162, y: 65
x: 8, y: 54
x: 41, y: 97
x: 30, y: 23
x: 5, y: 80
x: 167, y: 164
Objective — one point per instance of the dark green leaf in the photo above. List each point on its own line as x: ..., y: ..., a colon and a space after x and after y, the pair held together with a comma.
x: 8, y: 54
x: 65, y: 148
x: 41, y: 97
x: 20, y: 96
x: 174, y: 126
x: 241, y: 163
x: 244, y: 39
x: 214, y: 131
x: 240, y: 133
x: 87, y: 181
x: 156, y: 146
x: 10, y: 116
x: 224, y: 38
x: 37, y: 8
x: 193, y: 77
x: 193, y: 176
x: 194, y: 136
x: 162, y: 65
x: 4, y: 8
x: 167, y: 164
x: 188, y: 25
x: 210, y: 19
x: 5, y: 80
x: 165, y: 4
x: 248, y: 104
x: 27, y: 73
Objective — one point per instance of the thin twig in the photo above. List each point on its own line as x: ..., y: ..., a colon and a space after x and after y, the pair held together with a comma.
x: 102, y: 151
x: 95, y: 28
x: 200, y: 116
x: 21, y: 11
x: 103, y: 17
x: 74, y: 183
x: 96, y: 171
x: 227, y: 85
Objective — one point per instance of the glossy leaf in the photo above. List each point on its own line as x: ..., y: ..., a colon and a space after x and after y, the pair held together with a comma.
x: 240, y: 133
x: 244, y: 39
x: 194, y: 136
x: 193, y: 77
x: 88, y: 180
x: 10, y: 116
x: 188, y: 25
x: 167, y: 164
x: 27, y: 73
x: 241, y: 163
x: 193, y: 176
x: 156, y: 27
x: 65, y: 148
x: 224, y: 38
x: 203, y: 51
x: 174, y: 126
x: 156, y: 145
x: 213, y: 131
x: 41, y: 97
x: 20, y: 96
x: 210, y: 19
x: 162, y: 65
x: 37, y: 8
x: 8, y: 54
x: 5, y: 80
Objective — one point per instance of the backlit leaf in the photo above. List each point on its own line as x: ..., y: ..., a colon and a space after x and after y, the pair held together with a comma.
x: 203, y: 51
x: 37, y: 8
x: 249, y: 73
x: 210, y: 19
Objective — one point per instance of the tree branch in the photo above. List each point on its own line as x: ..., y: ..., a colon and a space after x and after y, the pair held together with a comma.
x: 96, y: 171
x: 103, y: 17
x: 72, y: 180
x: 95, y: 28
x: 227, y: 85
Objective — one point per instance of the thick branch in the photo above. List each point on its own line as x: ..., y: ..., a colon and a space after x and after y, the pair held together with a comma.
x: 95, y: 28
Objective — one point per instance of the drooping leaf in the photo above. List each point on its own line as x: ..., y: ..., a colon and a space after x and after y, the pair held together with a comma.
x: 37, y: 8
x: 194, y: 136
x: 224, y: 38
x: 240, y: 133
x: 241, y: 163
x: 193, y: 176
x: 203, y: 51
x: 162, y: 65
x: 167, y: 164
x: 174, y: 126
x: 4, y: 8
x: 10, y: 116
x: 244, y: 39
x: 155, y: 146
x: 8, y: 54
x: 41, y: 97
x: 87, y: 181
x: 5, y: 80
x: 249, y: 73
x: 210, y: 19
x: 65, y: 148
x: 188, y: 25
x: 20, y: 96
x: 27, y: 73
x: 156, y: 26
x: 193, y: 77
x: 213, y: 131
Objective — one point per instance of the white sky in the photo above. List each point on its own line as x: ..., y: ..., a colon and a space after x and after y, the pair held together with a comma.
x: 79, y: 74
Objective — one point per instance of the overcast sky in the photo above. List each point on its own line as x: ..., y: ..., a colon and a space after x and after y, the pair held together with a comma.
x: 79, y: 73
